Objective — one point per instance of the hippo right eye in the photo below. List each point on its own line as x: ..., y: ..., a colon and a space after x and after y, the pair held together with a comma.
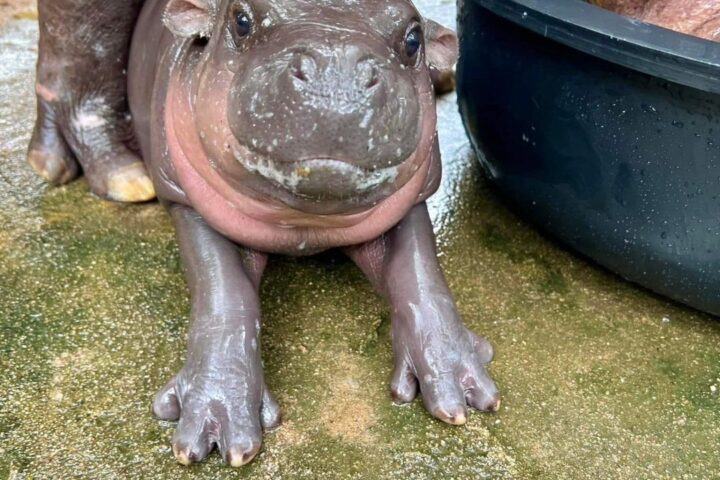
x: 413, y: 42
x: 243, y: 24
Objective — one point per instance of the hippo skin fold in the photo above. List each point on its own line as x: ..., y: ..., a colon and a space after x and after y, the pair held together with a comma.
x: 700, y: 18
x: 287, y: 127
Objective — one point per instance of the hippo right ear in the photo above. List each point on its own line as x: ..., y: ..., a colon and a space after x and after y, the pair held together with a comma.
x: 442, y: 54
x: 188, y: 18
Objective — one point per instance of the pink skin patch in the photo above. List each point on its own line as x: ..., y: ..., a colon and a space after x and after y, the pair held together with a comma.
x: 270, y: 226
x: 45, y: 93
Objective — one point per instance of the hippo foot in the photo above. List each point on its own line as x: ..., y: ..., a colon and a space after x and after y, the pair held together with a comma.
x: 224, y: 408
x: 446, y: 361
x: 92, y: 135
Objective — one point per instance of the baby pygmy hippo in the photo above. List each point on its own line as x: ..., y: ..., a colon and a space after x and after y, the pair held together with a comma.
x: 700, y: 18
x: 266, y: 126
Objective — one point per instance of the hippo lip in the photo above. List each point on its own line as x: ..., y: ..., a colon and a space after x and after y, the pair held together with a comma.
x: 364, y: 179
x: 293, y: 176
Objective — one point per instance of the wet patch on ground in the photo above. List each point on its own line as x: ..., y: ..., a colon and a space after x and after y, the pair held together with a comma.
x: 600, y: 379
x: 17, y: 10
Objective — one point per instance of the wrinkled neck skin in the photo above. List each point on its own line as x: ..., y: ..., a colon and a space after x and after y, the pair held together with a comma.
x: 244, y: 209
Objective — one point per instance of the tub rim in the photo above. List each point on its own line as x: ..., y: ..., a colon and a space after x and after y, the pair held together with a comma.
x: 640, y: 46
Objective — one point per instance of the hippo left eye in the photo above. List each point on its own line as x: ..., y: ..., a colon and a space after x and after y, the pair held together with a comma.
x: 243, y: 24
x: 413, y: 42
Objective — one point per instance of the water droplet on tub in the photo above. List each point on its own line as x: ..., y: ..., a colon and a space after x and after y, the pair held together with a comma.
x: 648, y: 108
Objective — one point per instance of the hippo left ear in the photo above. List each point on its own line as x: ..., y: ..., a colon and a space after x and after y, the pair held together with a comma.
x: 442, y: 54
x: 188, y: 18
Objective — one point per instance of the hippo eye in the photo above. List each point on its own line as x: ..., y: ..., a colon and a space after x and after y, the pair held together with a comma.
x: 413, y: 42
x: 243, y: 24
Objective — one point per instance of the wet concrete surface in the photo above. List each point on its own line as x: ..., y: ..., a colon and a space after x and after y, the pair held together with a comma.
x: 600, y: 379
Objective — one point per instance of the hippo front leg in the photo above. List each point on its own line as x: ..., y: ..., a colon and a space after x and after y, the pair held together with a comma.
x: 219, y: 396
x: 433, y: 349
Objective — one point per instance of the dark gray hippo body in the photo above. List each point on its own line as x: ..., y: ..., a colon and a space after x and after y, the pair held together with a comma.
x: 293, y: 127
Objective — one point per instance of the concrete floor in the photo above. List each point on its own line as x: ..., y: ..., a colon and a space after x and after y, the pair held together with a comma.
x: 600, y: 379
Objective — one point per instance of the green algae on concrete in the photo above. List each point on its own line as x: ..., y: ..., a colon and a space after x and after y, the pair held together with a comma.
x: 600, y: 379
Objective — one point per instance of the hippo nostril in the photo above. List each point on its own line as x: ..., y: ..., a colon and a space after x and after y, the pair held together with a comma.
x: 299, y: 75
x: 375, y: 80
x: 368, y: 74
x: 303, y: 67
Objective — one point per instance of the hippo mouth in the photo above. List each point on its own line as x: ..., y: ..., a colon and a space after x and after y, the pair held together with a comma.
x: 321, y: 178
x: 302, y: 176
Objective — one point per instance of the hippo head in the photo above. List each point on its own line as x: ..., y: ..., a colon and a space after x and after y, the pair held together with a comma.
x: 326, y: 106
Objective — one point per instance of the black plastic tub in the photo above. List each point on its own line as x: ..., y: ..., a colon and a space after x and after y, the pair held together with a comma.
x: 603, y: 131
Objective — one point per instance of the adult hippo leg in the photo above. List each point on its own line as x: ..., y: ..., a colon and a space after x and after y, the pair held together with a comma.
x: 219, y: 396
x: 433, y: 349
x: 83, y: 119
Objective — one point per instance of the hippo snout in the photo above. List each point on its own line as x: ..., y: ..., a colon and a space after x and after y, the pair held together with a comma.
x: 339, y: 85
x: 342, y: 101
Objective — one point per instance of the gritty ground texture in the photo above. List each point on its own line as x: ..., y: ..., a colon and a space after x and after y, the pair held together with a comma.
x: 600, y: 379
x: 17, y: 9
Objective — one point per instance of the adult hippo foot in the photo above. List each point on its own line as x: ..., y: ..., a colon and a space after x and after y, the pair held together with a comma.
x: 82, y: 116
x: 91, y: 133
x: 435, y: 352
x: 223, y: 408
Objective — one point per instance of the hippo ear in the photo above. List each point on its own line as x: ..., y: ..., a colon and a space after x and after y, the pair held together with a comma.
x: 188, y: 18
x: 442, y: 54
